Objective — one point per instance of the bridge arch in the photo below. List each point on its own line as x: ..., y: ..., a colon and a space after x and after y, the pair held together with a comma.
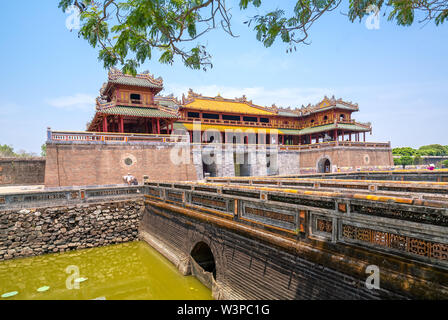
x: 204, y: 257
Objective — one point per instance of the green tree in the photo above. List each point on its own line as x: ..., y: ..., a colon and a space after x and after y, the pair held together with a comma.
x: 43, y: 149
x: 397, y: 161
x: 406, y: 160
x: 434, y: 150
x: 127, y: 31
x: 445, y: 163
x: 405, y: 151
x: 7, y: 151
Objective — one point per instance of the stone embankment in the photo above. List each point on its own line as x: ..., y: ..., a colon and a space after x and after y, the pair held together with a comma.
x: 32, y: 232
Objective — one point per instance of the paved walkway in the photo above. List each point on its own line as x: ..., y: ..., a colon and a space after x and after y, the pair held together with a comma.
x: 15, y: 189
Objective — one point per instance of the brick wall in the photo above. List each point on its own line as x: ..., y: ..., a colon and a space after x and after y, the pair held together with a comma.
x: 18, y: 171
x: 32, y: 232
x: 100, y: 164
x: 347, y: 157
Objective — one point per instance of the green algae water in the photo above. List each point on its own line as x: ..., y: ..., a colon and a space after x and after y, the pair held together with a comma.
x: 129, y: 271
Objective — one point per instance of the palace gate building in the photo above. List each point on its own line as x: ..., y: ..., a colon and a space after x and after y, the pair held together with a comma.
x: 136, y: 130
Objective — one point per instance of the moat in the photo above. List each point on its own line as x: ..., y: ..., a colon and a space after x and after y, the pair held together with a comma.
x: 129, y: 271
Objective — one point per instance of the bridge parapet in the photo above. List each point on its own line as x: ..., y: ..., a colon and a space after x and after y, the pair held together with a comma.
x: 438, y: 175
x: 423, y: 190
x: 402, y: 226
x: 68, y: 196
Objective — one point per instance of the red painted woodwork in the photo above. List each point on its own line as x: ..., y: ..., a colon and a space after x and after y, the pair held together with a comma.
x: 105, y: 129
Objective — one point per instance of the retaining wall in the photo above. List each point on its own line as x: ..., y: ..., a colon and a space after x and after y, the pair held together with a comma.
x: 22, y: 171
x: 32, y: 232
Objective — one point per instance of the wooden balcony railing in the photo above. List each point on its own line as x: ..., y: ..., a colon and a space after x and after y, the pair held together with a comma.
x: 275, y: 124
x: 136, y: 103
x: 66, y: 136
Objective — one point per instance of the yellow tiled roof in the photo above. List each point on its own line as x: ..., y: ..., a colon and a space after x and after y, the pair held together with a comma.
x: 226, y: 106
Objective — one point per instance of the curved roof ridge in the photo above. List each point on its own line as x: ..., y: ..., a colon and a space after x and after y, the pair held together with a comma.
x: 115, y: 73
x: 145, y: 80
x: 192, y: 96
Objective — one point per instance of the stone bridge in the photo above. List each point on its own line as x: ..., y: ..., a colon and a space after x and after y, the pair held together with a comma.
x: 257, y: 238
x: 279, y: 238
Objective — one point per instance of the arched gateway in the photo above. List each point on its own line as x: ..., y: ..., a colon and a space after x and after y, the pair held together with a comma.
x: 324, y: 165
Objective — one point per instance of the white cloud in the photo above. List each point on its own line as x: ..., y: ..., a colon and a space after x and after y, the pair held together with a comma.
x: 78, y: 101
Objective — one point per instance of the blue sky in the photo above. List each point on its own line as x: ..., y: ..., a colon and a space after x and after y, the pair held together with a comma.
x: 397, y: 75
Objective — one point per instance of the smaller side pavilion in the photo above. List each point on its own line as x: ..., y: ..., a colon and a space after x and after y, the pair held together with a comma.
x: 127, y: 105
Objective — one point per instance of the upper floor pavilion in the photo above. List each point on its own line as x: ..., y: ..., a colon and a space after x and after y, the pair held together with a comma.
x: 129, y: 104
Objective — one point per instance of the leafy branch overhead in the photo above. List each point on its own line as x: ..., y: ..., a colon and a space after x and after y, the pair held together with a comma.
x: 127, y: 31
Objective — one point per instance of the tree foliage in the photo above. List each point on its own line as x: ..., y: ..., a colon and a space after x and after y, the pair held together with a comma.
x: 428, y: 150
x: 405, y: 151
x: 43, y: 149
x: 406, y: 160
x: 127, y: 31
x: 445, y: 163
x: 433, y: 150
x: 8, y: 152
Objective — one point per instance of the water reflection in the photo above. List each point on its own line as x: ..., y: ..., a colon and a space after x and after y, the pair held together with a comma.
x: 125, y: 271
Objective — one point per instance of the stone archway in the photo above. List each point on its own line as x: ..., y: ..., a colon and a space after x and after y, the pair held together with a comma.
x: 324, y: 165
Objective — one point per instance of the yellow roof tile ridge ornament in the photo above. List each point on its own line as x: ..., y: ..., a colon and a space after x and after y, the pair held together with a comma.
x: 195, y: 97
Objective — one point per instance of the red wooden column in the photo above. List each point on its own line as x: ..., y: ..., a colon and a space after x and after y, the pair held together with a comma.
x: 158, y: 125
x: 121, y: 124
x: 105, y: 124
x: 364, y: 137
